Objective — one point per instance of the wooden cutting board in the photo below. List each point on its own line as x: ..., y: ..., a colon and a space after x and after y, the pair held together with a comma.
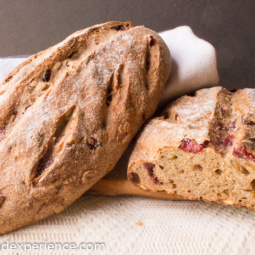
x: 115, y: 183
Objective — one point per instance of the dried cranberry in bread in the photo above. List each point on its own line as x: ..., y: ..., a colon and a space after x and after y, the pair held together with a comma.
x: 203, y: 148
x: 68, y: 113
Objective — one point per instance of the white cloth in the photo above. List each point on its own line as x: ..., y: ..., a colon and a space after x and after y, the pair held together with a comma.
x: 194, y: 63
x: 169, y: 227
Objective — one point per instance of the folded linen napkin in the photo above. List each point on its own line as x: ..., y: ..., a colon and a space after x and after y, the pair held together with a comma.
x: 194, y: 63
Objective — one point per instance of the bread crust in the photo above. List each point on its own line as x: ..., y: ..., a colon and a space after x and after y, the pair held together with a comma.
x: 68, y: 113
x: 202, y: 148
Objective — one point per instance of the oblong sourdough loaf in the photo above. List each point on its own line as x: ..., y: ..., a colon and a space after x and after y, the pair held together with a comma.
x: 68, y: 113
x: 202, y: 148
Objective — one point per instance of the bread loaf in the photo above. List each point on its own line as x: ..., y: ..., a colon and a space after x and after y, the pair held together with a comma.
x: 68, y: 113
x: 203, y: 148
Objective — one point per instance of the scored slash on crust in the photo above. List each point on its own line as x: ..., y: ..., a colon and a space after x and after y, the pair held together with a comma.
x: 1, y: 133
x: 2, y: 198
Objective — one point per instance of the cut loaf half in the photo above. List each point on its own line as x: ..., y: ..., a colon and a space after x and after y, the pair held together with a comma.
x: 203, y: 148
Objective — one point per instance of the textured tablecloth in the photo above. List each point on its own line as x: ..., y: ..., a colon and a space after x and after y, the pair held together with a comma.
x: 169, y: 227
x: 132, y: 225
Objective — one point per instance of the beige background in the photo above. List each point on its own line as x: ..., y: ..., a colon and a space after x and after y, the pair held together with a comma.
x: 28, y: 26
